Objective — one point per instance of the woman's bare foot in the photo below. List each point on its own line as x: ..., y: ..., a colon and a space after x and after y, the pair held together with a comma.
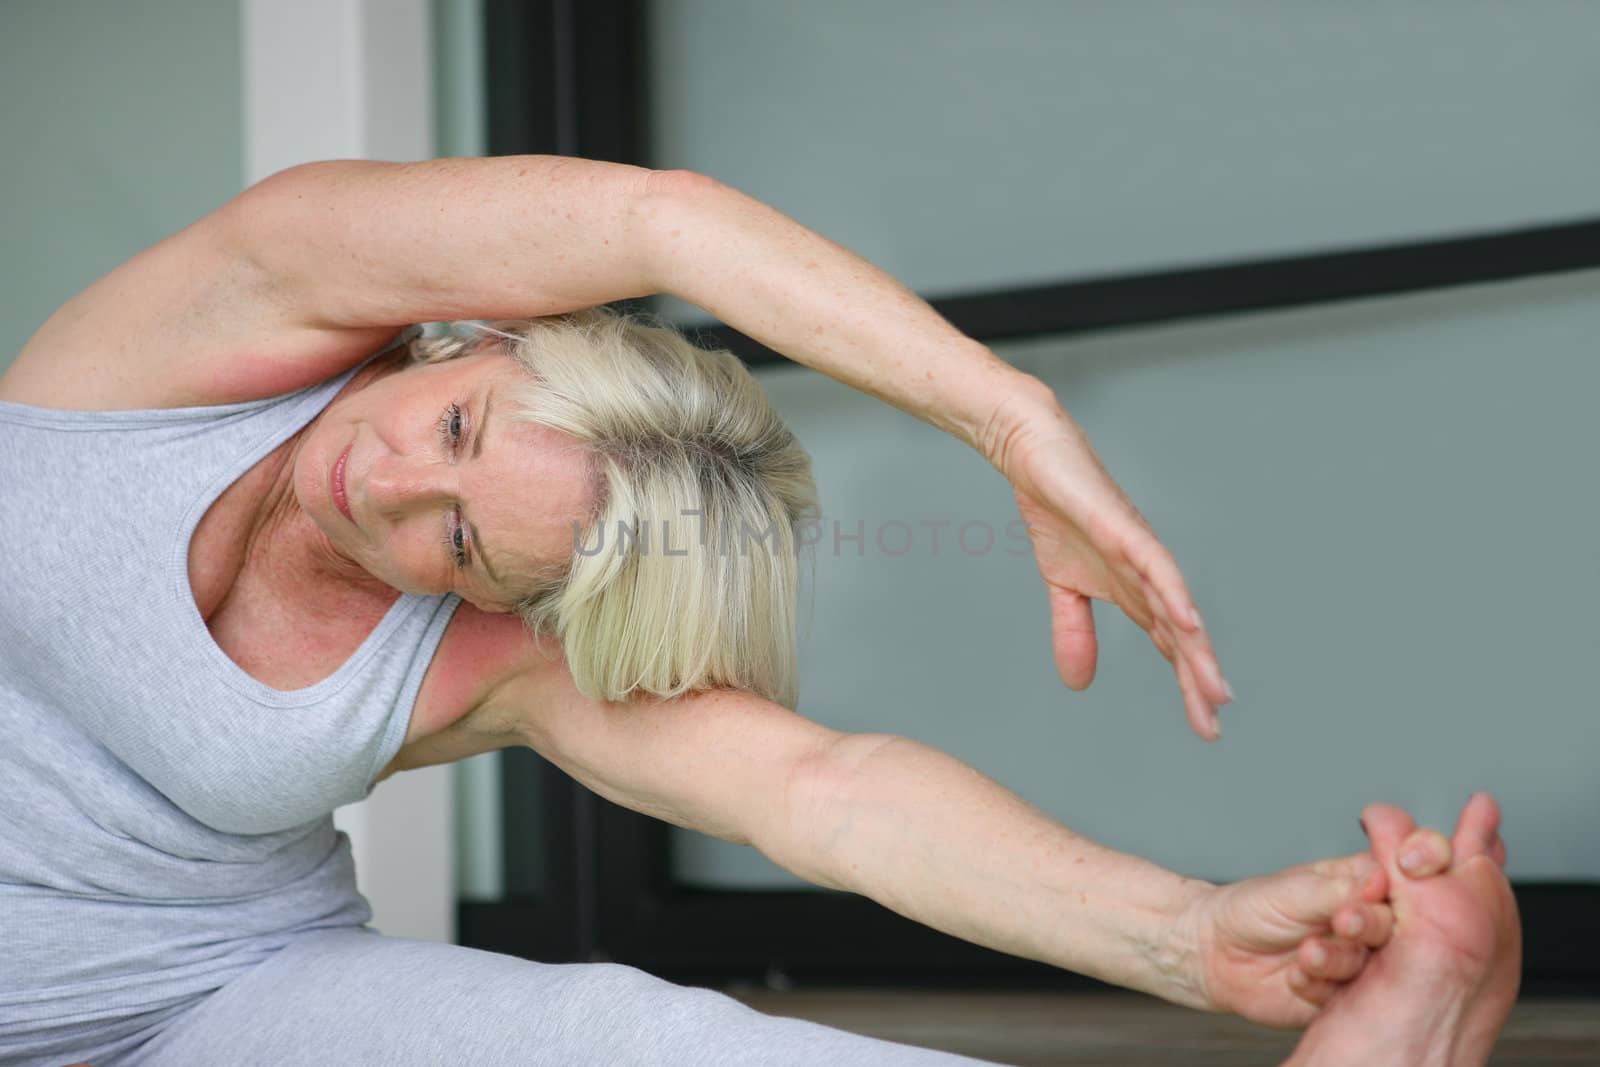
x: 1438, y: 993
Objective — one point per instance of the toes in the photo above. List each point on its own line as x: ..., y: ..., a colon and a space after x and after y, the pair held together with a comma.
x: 1478, y: 828
x: 1386, y: 826
x: 1497, y: 852
x: 1334, y: 959
x: 1424, y: 852
x: 1366, y: 924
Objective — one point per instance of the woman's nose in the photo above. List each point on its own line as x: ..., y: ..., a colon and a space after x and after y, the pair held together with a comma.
x: 397, y: 487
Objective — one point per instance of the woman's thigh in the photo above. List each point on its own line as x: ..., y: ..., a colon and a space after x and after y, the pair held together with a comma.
x: 355, y: 997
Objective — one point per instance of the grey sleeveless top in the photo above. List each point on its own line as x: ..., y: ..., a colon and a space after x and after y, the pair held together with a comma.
x: 165, y: 818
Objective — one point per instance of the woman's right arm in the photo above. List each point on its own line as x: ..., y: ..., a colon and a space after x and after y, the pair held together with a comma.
x: 930, y: 837
x: 308, y: 272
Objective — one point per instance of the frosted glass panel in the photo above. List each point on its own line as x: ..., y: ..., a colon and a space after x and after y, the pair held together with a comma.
x: 1386, y: 510
x: 121, y: 126
x: 963, y: 146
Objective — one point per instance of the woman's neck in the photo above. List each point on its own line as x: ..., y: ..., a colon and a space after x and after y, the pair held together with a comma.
x: 288, y: 553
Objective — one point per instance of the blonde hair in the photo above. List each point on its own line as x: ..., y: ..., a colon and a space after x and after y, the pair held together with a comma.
x: 696, y: 474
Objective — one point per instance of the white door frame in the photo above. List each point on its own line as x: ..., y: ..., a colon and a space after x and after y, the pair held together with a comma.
x: 353, y: 79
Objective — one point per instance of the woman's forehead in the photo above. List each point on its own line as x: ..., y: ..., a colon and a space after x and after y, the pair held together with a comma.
x: 536, y: 485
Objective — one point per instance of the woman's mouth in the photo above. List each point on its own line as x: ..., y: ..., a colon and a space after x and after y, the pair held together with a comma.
x: 341, y: 499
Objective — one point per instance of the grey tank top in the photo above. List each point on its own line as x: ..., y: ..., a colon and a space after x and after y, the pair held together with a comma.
x: 165, y: 818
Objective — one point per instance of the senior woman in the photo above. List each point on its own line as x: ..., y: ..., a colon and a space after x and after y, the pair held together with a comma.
x: 270, y: 547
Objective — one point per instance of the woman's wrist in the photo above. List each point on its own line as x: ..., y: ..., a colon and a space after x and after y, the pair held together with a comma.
x: 1179, y: 956
x: 1133, y: 924
x: 1018, y: 409
x: 1000, y: 403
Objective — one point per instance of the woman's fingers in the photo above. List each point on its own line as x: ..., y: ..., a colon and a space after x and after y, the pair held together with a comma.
x: 1156, y: 566
x: 1335, y: 959
x: 1316, y: 991
x: 1192, y: 661
x: 1091, y: 542
x: 1386, y: 826
x: 1202, y: 716
x: 1193, y: 643
x: 1366, y: 924
x: 1073, y: 637
x: 1424, y: 853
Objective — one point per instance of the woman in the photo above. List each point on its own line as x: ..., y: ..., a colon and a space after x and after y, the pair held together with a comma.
x: 282, y: 549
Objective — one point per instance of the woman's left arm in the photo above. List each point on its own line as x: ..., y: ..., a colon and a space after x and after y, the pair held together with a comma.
x: 821, y: 305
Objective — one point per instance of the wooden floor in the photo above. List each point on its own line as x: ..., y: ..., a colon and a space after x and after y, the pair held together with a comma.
x: 1093, y: 1029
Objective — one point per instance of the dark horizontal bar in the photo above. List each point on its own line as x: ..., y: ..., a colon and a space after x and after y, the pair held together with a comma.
x: 1257, y: 285
x: 827, y: 938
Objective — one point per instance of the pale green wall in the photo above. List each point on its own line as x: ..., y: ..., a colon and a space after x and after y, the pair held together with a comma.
x: 120, y: 126
x: 1386, y: 509
x: 959, y: 144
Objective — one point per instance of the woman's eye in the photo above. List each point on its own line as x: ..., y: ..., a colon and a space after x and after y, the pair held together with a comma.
x: 455, y: 542
x: 451, y: 426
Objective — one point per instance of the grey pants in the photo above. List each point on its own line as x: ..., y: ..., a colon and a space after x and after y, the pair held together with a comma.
x: 355, y: 997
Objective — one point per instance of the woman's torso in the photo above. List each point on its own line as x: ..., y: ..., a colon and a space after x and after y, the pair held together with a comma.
x: 175, y: 735
x: 290, y: 634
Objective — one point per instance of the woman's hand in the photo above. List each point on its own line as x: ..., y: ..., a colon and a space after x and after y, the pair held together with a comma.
x: 1274, y: 949
x: 1091, y: 542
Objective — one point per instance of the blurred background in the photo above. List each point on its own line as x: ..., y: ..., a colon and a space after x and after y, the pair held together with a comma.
x: 1322, y: 283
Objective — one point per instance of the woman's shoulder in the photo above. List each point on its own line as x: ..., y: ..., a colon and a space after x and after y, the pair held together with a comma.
x: 478, y: 655
x: 189, y: 322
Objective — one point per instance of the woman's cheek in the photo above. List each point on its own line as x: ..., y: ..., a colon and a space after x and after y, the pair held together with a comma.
x: 420, y: 567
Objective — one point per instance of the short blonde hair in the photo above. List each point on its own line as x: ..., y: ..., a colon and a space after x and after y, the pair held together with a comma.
x: 701, y: 480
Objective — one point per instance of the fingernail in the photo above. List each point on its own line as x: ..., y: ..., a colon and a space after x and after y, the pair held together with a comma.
x: 1228, y: 689
x: 1413, y: 860
x: 1352, y: 926
x: 1319, y: 955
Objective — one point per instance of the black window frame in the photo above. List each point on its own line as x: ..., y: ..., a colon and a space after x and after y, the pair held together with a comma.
x: 570, y: 77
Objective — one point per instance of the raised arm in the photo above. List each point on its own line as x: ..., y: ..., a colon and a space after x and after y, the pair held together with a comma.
x: 311, y: 270
x: 538, y: 235
x: 357, y: 246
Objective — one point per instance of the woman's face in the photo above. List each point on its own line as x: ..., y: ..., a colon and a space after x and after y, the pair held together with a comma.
x: 423, y: 479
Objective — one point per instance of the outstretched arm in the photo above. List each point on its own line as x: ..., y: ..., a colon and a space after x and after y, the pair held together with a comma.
x: 931, y: 838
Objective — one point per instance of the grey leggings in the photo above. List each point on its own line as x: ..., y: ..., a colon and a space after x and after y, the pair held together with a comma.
x: 354, y: 997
